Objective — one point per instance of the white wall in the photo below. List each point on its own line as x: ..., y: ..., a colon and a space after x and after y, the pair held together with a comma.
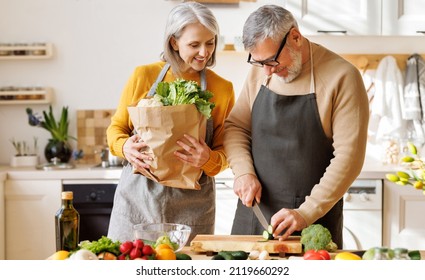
x: 97, y: 44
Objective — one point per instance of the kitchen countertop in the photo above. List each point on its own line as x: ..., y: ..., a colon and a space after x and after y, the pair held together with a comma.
x: 79, y: 172
x: 372, y: 169
x: 203, y: 256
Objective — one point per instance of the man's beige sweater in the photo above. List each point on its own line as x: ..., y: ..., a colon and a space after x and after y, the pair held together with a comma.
x: 344, y: 112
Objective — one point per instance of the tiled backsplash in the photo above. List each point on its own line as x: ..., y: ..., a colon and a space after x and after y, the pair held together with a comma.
x: 91, y: 133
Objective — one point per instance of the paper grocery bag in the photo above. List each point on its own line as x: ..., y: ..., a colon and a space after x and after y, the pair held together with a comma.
x: 161, y: 127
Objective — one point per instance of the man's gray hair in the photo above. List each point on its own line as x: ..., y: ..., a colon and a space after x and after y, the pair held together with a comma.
x: 180, y: 16
x: 268, y: 21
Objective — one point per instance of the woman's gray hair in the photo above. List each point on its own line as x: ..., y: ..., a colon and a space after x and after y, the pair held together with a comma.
x: 180, y: 16
x: 268, y: 21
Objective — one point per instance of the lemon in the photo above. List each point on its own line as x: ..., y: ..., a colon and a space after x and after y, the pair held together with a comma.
x: 412, y: 148
x: 392, y: 177
x: 418, y: 185
x: 60, y: 255
x: 347, y: 256
x: 403, y: 174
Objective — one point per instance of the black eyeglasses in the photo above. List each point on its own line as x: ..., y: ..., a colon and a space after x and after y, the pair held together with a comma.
x: 272, y: 62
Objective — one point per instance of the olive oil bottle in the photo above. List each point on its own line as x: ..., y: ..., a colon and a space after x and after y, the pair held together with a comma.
x: 67, y: 223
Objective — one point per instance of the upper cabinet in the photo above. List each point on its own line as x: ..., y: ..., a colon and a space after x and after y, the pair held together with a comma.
x: 359, y: 17
x: 403, y: 17
x: 349, y: 17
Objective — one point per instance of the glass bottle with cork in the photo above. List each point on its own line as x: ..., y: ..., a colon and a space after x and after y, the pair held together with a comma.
x: 67, y: 224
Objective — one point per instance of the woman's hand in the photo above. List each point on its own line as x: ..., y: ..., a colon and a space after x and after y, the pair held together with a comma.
x: 133, y: 152
x: 196, y: 153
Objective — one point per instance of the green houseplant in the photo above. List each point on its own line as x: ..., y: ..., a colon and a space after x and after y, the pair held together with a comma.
x: 24, y: 154
x: 58, y: 147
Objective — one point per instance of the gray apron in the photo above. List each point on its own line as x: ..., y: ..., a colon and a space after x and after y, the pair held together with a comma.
x: 291, y: 153
x: 141, y: 200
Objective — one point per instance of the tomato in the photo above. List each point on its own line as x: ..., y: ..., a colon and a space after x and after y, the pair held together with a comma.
x: 147, y: 250
x: 313, y: 255
x: 138, y: 243
x: 135, y: 253
x: 325, y: 254
x: 126, y: 247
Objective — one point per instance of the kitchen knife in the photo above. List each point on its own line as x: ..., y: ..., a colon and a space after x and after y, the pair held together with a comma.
x: 259, y: 215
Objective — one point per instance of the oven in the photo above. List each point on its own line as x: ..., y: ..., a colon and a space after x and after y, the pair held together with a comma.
x: 93, y: 199
x: 363, y: 215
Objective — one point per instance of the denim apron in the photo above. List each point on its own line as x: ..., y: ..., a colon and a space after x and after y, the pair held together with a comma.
x: 291, y: 153
x: 141, y: 200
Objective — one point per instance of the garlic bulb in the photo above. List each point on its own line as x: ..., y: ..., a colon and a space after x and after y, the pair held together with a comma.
x: 264, y: 255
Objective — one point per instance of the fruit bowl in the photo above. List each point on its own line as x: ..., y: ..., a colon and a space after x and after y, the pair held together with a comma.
x: 176, y: 235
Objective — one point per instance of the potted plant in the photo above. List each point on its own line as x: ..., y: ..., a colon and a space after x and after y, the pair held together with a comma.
x: 23, y: 155
x: 58, y: 148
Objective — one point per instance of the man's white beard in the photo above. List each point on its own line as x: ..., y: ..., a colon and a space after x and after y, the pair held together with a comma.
x: 295, y: 69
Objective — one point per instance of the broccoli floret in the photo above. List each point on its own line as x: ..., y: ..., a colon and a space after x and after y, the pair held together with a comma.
x: 317, y: 237
x: 331, y: 247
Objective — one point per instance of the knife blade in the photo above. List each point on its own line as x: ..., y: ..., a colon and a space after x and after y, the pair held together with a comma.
x: 260, y: 215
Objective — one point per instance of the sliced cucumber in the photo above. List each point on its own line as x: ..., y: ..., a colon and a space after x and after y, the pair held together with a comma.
x: 267, y: 235
x: 270, y: 229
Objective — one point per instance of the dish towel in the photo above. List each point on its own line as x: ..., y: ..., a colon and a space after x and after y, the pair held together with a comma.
x: 414, y: 96
x: 386, y: 119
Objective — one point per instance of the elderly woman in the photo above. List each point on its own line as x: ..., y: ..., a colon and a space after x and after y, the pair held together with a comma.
x: 189, y: 50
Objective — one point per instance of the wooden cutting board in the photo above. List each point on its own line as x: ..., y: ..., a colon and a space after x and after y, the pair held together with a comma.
x: 247, y: 243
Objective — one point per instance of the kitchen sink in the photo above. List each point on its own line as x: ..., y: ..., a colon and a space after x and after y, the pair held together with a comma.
x: 57, y: 166
x: 106, y: 166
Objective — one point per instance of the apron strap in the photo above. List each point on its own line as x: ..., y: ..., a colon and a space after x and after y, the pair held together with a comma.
x: 159, y: 79
x: 203, y: 80
x: 312, y: 85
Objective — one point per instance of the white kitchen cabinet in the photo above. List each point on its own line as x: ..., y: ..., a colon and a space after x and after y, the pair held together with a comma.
x: 359, y: 17
x: 2, y: 225
x: 343, y: 17
x: 30, y: 207
x: 403, y: 217
x: 403, y: 17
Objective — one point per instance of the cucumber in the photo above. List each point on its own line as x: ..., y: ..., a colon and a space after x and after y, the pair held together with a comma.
x: 237, y: 255
x: 267, y: 235
x: 415, y: 255
x: 183, y: 257
x: 217, y: 257
x: 270, y: 229
x: 226, y: 255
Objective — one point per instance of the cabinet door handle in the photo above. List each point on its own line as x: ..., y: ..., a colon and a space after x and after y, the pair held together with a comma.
x: 332, y: 31
x: 421, y: 31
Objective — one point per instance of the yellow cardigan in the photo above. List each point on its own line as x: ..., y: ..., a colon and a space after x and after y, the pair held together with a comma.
x: 138, y: 87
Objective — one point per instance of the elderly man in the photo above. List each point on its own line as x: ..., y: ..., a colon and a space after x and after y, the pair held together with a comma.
x: 296, y: 138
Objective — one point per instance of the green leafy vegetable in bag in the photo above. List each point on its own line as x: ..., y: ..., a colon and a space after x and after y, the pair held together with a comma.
x: 184, y: 92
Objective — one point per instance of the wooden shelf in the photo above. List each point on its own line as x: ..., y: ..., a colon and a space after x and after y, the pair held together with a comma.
x: 371, y: 61
x: 27, y: 96
x: 26, y: 51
